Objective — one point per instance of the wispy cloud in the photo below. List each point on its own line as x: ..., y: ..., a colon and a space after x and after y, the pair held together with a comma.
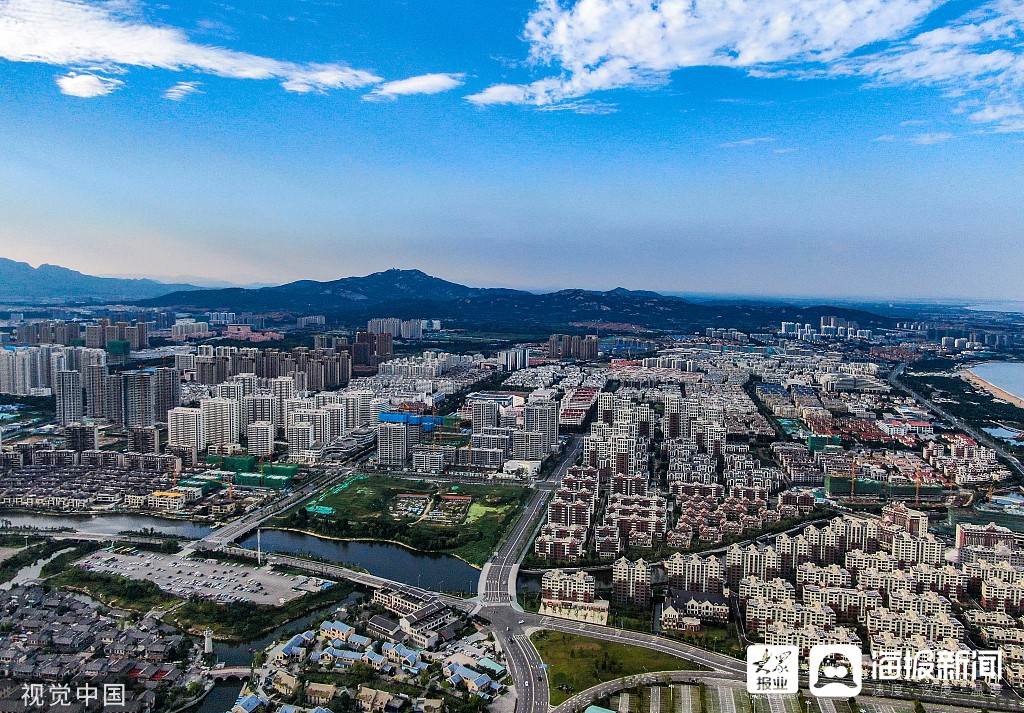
x: 608, y: 44
x: 87, y: 85
x: 423, y: 84
x: 582, y: 107
x: 181, y: 90
x: 978, y: 59
x: 747, y: 142
x: 885, y: 138
x: 939, y: 137
x: 110, y: 36
x: 597, y: 45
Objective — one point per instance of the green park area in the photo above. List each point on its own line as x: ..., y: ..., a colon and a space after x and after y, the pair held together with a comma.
x: 465, y: 520
x: 576, y: 663
x: 234, y: 621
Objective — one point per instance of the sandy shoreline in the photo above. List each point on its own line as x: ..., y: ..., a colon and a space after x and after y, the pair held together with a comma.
x: 972, y: 378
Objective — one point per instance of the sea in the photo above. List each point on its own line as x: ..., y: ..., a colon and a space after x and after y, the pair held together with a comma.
x: 1007, y: 375
x: 997, y: 307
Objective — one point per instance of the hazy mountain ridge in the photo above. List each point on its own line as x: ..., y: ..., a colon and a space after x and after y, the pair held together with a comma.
x: 413, y: 293
x: 22, y: 283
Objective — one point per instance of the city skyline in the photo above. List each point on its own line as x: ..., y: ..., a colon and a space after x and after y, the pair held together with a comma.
x: 851, y: 150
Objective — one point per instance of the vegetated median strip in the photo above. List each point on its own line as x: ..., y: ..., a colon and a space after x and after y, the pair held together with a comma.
x: 577, y: 663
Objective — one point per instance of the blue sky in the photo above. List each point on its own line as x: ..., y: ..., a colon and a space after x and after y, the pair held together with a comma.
x: 835, y: 148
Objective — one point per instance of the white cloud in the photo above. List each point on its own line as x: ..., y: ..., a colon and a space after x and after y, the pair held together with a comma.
x: 582, y: 107
x: 747, y: 142
x: 423, y: 84
x: 939, y: 137
x: 109, y: 36
x: 608, y: 44
x: 885, y: 138
x: 977, y: 58
x: 595, y: 45
x: 87, y: 85
x: 181, y: 90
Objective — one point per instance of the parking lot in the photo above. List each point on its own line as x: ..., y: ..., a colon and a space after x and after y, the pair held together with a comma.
x: 208, y: 579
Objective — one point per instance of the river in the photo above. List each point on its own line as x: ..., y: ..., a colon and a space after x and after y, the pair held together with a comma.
x: 111, y: 524
x: 1006, y: 375
x: 384, y: 559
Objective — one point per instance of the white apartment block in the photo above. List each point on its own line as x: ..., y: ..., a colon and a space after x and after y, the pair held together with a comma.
x: 848, y: 602
x: 762, y: 613
x: 828, y: 576
x: 260, y: 438
x: 772, y: 590
x: 908, y: 624
x: 185, y: 428
x: 805, y: 637
x: 221, y: 423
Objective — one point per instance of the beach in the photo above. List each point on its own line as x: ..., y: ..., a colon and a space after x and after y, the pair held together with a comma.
x: 976, y: 380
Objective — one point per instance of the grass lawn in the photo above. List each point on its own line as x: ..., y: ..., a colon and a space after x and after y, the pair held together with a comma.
x: 575, y: 663
x: 716, y: 637
x: 360, y: 510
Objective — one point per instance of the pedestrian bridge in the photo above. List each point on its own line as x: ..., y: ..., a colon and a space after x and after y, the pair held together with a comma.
x: 229, y: 672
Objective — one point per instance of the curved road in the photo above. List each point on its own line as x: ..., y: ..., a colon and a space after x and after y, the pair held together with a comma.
x: 496, y: 602
x: 979, y: 436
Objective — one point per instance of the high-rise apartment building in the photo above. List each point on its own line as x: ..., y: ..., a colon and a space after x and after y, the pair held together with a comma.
x: 260, y: 438
x: 81, y: 437
x: 68, y: 390
x: 220, y: 421
x: 261, y: 406
x: 542, y: 417
x: 300, y: 437
x: 166, y: 392
x: 486, y: 414
x: 393, y: 443
x: 185, y: 428
x: 283, y: 388
x: 514, y: 359
x: 144, y: 439
x: 631, y: 583
x: 565, y: 346
x: 138, y: 398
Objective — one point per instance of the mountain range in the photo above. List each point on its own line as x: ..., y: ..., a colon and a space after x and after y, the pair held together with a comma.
x: 414, y: 294
x: 21, y: 283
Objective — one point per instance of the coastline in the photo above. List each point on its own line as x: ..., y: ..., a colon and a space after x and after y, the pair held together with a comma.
x: 975, y: 380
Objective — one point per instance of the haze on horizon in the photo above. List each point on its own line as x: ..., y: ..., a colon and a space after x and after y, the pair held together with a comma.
x: 524, y: 144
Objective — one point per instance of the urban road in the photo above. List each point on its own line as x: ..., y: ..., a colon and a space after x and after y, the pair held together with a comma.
x: 979, y: 436
x: 496, y: 599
